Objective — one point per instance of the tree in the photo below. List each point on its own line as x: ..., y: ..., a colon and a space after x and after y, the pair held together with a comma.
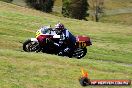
x: 65, y: 8
x: 97, y: 8
x: 43, y: 5
x: 75, y: 8
x: 9, y: 1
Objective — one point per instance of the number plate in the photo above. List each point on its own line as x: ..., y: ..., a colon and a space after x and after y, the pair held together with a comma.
x: 82, y: 44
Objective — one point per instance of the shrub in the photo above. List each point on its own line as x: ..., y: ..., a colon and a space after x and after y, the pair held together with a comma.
x: 43, y: 5
x: 75, y: 8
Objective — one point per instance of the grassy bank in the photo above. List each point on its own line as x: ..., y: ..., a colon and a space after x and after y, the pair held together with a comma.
x: 108, y: 58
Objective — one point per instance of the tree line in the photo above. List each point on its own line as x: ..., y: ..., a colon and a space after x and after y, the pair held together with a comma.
x: 77, y: 9
x: 7, y: 1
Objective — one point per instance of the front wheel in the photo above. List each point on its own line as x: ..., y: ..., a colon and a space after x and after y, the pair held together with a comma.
x: 80, y: 52
x: 31, y: 46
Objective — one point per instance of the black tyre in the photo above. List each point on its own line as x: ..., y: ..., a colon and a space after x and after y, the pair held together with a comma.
x: 31, y: 46
x: 80, y: 52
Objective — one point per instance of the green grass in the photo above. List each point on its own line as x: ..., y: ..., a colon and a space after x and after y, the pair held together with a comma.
x: 109, y: 5
x: 118, y: 19
x: 108, y: 58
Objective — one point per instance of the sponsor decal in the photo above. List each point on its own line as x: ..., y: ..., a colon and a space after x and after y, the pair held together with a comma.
x: 86, y: 81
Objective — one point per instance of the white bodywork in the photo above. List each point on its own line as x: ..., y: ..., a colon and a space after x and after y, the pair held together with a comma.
x: 34, y: 39
x: 56, y: 36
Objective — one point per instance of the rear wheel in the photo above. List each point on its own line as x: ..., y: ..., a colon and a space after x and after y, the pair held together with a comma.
x: 80, y: 52
x: 31, y: 46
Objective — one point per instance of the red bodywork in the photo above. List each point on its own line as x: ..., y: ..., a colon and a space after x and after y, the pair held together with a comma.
x: 84, y: 39
x: 42, y: 38
x: 79, y: 40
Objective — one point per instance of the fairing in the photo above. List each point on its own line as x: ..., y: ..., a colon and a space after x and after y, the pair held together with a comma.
x: 84, y: 39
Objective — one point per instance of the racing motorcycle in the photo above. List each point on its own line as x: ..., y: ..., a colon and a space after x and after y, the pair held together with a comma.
x: 46, y: 43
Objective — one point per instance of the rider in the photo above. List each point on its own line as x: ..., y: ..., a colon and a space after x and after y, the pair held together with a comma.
x: 66, y: 37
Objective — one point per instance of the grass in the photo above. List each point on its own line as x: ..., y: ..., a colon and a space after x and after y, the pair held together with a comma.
x: 19, y: 2
x: 119, y: 18
x: 116, y: 4
x: 109, y: 5
x: 108, y: 58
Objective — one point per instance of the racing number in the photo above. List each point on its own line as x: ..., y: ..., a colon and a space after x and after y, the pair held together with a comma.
x: 82, y: 44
